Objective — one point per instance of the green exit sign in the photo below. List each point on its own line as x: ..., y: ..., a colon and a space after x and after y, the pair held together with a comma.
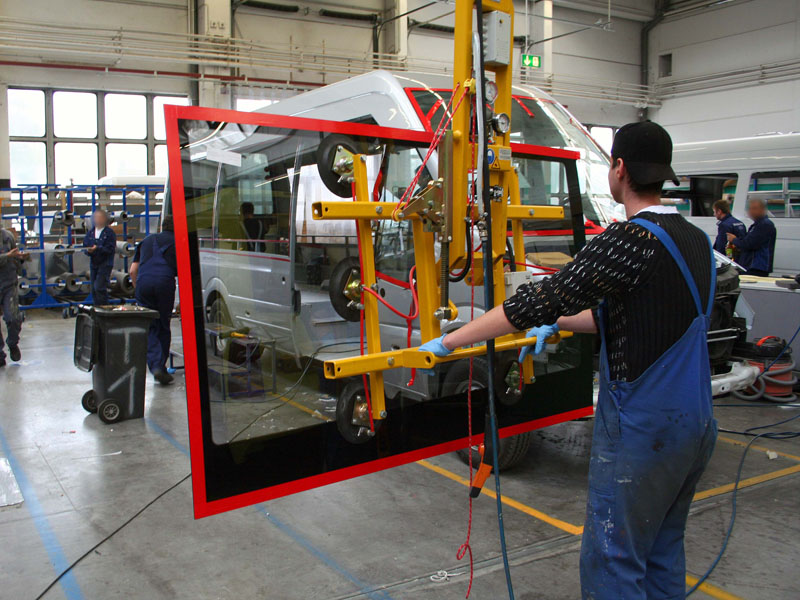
x: 532, y: 60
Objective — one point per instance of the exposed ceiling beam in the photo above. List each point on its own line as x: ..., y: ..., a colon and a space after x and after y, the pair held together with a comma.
x: 600, y: 7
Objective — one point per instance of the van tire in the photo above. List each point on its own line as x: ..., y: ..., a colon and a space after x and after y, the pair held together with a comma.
x: 510, y: 450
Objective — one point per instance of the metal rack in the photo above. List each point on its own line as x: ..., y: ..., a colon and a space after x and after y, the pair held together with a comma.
x: 49, y: 204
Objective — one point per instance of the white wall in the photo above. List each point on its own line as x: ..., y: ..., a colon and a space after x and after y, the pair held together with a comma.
x: 736, y: 37
x: 609, y: 56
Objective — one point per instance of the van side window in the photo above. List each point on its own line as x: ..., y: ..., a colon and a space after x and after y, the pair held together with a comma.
x: 780, y: 190
x: 696, y: 194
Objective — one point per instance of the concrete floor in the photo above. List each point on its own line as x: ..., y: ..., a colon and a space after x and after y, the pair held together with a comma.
x: 381, y: 536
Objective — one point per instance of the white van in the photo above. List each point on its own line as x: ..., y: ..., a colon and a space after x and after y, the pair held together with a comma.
x: 766, y: 167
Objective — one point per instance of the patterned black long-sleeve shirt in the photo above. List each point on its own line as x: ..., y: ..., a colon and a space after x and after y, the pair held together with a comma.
x: 649, y: 303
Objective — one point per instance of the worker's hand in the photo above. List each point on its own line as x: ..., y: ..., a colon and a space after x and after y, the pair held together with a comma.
x: 435, y: 346
x: 541, y: 334
x: 91, y: 249
x: 14, y: 253
x: 731, y: 236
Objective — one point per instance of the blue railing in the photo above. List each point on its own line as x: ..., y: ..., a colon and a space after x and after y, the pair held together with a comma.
x: 59, y: 201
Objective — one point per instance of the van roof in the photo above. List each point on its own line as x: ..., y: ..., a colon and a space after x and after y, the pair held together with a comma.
x: 382, y: 82
x: 763, y: 153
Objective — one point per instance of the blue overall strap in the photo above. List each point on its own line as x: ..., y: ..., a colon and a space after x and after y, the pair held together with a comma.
x: 669, y: 244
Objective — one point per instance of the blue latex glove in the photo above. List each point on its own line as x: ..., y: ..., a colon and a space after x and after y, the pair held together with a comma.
x: 542, y: 333
x: 436, y: 347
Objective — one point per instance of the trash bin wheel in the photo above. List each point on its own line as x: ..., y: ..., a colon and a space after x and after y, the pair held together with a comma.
x: 352, y: 418
x: 89, y: 402
x: 110, y: 411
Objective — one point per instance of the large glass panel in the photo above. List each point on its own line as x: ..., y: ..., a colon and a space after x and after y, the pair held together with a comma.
x: 28, y: 163
x: 75, y: 114
x: 76, y: 163
x: 158, y: 113
x: 277, y: 294
x: 126, y: 116
x: 26, y: 113
x: 126, y: 160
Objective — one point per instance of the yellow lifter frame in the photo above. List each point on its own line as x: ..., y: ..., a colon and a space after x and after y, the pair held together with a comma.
x: 363, y: 210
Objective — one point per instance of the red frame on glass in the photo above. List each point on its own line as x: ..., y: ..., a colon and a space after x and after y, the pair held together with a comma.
x: 202, y: 506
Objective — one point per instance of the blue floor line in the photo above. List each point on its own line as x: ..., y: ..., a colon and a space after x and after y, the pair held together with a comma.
x: 288, y: 530
x: 54, y: 550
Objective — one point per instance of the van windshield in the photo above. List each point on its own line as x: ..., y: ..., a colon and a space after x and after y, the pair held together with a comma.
x: 543, y: 122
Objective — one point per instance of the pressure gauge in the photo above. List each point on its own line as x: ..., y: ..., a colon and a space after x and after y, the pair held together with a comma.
x: 501, y: 123
x: 491, y: 92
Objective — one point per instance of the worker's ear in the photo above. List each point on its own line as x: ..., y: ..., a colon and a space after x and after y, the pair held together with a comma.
x: 618, y: 169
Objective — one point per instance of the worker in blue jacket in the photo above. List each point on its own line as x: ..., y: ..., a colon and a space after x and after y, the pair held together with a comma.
x: 101, y: 245
x: 153, y: 272
x: 758, y: 246
x: 726, y: 223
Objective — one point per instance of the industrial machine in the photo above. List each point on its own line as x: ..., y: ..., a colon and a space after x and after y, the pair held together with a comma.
x: 441, y: 227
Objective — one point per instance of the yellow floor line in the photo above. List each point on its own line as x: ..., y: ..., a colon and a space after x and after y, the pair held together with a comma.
x: 711, y: 589
x: 536, y: 514
x: 706, y: 588
x: 724, y: 489
x: 728, y: 440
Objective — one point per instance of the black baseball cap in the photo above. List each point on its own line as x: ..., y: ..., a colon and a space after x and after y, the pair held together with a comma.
x: 646, y: 149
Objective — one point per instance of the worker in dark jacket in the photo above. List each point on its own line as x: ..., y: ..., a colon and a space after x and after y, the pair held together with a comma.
x: 654, y: 430
x: 153, y: 272
x: 726, y: 223
x: 101, y: 244
x: 10, y: 265
x: 758, y: 246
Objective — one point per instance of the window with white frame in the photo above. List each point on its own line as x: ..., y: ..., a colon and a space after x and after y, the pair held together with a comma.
x: 68, y: 136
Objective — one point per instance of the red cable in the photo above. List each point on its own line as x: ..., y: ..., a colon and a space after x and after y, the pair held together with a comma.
x: 410, y: 321
x: 466, y: 547
x: 541, y: 268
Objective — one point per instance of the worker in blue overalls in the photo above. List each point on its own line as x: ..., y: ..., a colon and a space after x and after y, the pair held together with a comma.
x: 153, y: 272
x: 101, y: 245
x: 646, y: 286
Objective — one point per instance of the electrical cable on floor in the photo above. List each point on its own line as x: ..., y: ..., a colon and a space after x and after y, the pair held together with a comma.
x: 773, y: 435
x: 291, y: 387
x: 110, y: 535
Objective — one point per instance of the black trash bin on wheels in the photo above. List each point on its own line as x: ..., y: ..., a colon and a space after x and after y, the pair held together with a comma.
x: 111, y: 342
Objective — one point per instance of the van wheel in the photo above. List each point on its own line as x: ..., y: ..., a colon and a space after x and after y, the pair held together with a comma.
x: 217, y: 313
x: 510, y: 450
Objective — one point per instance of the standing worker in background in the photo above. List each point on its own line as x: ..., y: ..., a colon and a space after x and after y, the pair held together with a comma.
x: 726, y: 223
x: 101, y: 244
x: 654, y: 431
x: 153, y: 272
x: 253, y: 227
x: 757, y: 247
x: 10, y: 265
